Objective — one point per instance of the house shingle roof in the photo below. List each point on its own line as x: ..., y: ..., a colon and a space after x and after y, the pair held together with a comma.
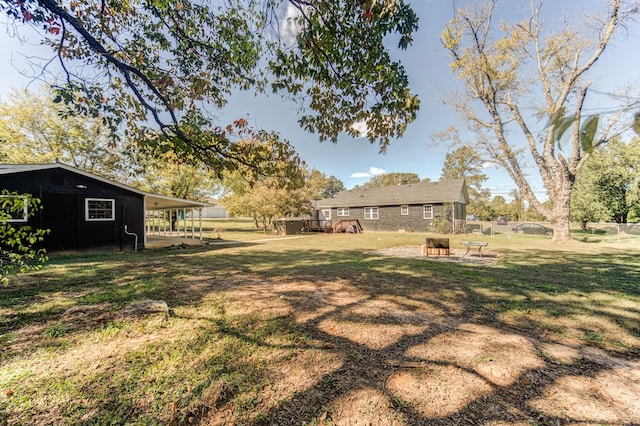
x: 415, y: 193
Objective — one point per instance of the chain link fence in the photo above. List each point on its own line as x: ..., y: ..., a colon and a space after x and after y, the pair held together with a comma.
x: 607, y: 232
x: 588, y: 232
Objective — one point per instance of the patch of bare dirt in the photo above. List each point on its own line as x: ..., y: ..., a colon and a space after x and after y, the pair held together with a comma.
x: 436, y: 390
x: 609, y: 395
x: 457, y: 255
x: 498, y: 357
x: 366, y: 407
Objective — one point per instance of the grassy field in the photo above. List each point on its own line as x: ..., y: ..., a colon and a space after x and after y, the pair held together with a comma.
x: 325, y: 329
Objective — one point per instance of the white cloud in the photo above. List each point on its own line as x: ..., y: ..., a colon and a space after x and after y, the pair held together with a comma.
x: 290, y: 25
x: 373, y: 171
x: 487, y: 165
x: 361, y: 128
x: 360, y: 175
x: 376, y: 171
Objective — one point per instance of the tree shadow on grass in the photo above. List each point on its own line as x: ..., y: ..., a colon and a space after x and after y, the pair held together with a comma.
x: 368, y: 367
x: 411, y: 341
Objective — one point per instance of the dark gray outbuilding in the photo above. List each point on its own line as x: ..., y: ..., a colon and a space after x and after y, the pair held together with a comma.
x: 83, y: 210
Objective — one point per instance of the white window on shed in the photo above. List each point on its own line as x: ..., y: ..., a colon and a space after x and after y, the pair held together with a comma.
x: 100, y: 209
x: 14, y: 206
x: 404, y: 210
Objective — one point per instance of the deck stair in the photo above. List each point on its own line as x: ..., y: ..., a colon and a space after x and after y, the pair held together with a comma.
x: 350, y: 226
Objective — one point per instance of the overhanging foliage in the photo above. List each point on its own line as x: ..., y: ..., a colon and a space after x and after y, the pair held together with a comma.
x: 18, y: 241
x: 160, y: 70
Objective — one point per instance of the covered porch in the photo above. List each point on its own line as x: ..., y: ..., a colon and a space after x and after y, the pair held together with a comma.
x: 170, y: 220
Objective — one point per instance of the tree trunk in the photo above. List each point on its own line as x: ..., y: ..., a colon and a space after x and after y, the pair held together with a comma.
x: 560, y: 221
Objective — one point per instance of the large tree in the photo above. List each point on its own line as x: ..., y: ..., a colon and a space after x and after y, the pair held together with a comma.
x: 390, y: 179
x: 464, y: 162
x: 320, y: 186
x: 283, y: 194
x: 169, y: 175
x: 609, y: 186
x: 524, y: 96
x: 266, y: 200
x: 162, y: 69
x: 35, y: 130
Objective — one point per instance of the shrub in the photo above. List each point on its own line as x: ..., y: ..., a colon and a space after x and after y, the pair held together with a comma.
x: 19, y: 250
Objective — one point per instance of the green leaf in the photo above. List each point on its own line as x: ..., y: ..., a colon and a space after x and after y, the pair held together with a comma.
x: 588, y: 133
x: 560, y: 123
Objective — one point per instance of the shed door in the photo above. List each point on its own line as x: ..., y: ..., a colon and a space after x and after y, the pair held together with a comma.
x: 60, y: 215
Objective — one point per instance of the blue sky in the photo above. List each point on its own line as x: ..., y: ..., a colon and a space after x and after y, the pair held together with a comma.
x: 351, y: 160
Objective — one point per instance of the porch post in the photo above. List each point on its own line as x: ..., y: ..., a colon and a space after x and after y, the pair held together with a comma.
x: 164, y: 221
x: 453, y: 213
x: 200, y: 220
x: 193, y: 234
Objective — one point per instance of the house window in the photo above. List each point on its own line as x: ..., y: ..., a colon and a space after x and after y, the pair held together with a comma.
x: 343, y: 211
x: 427, y: 212
x: 14, y: 206
x: 326, y: 214
x: 100, y: 209
x: 404, y: 210
x: 371, y: 213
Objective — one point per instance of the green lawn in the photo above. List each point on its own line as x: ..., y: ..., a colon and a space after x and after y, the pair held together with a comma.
x: 286, y: 331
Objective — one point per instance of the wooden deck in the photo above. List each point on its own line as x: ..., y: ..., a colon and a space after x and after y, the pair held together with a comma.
x: 351, y: 226
x: 311, y: 225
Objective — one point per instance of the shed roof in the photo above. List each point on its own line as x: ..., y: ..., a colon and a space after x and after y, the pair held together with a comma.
x: 152, y: 201
x: 454, y: 190
x: 161, y: 202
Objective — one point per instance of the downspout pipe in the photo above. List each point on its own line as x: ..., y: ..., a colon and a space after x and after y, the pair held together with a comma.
x: 135, y: 248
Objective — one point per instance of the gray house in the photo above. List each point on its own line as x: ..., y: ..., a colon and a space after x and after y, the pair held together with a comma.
x: 418, y: 207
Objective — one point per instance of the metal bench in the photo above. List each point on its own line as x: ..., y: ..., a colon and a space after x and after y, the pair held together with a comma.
x: 474, y: 244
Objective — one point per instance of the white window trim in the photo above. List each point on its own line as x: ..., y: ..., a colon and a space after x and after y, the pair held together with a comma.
x: 326, y: 214
x: 102, y: 219
x: 404, y: 210
x: 424, y: 211
x: 25, y: 214
x: 371, y: 215
x: 342, y: 211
